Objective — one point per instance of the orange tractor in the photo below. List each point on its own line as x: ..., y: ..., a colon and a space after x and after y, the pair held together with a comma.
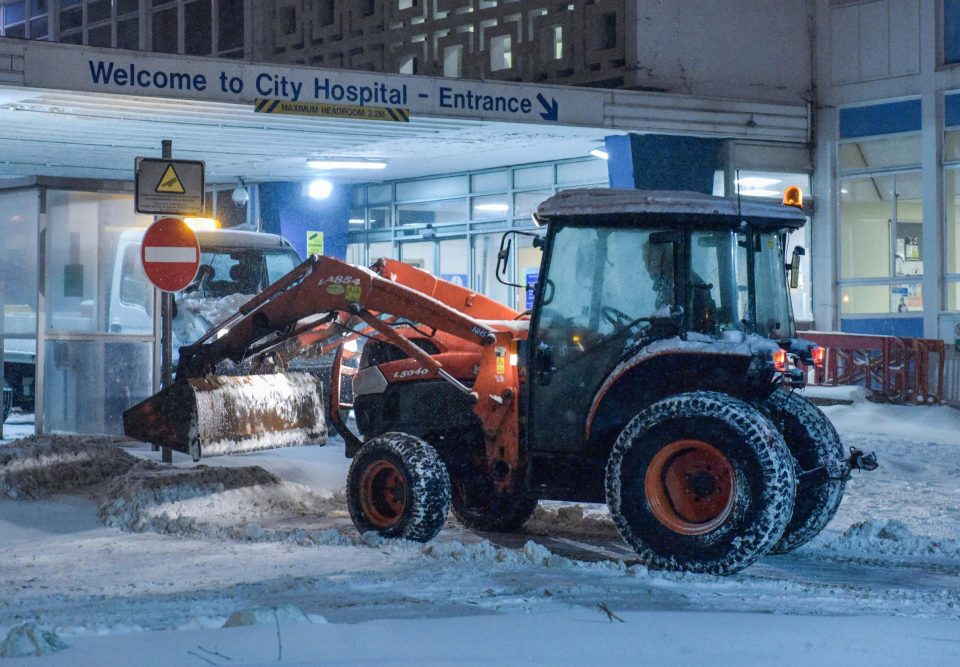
x: 655, y: 372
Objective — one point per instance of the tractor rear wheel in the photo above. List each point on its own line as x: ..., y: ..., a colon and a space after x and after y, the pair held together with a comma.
x: 398, y: 487
x: 478, y: 506
x: 701, y: 482
x: 814, y: 443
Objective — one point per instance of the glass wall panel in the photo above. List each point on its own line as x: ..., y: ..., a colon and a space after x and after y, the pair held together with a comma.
x: 490, y: 207
x: 580, y: 173
x: 455, y: 261
x: 485, y: 249
x: 866, y: 299
x: 532, y: 177
x: 379, y: 194
x: 355, y: 218
x: 432, y: 212
x: 953, y: 296
x: 384, y: 249
x: 883, y: 153
x: 355, y: 254
x: 865, y: 226
x: 379, y: 217
x: 433, y: 188
x: 908, y: 260
x: 88, y: 384
x: 951, y: 185
x: 526, y: 203
x: 490, y: 181
x: 528, y: 271
x: 419, y: 254
x: 85, y: 235
x: 19, y: 213
x: 19, y: 216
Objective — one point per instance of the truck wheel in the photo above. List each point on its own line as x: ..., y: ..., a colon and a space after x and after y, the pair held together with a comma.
x: 398, y: 487
x: 700, y: 482
x: 814, y: 442
x: 478, y: 507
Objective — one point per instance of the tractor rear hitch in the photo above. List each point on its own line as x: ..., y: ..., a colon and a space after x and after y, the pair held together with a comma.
x: 860, y: 460
x: 841, y: 469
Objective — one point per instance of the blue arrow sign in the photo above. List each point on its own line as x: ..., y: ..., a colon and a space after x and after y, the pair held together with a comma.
x: 551, y: 110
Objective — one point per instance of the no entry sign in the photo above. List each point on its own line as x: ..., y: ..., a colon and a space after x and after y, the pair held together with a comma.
x: 170, y: 254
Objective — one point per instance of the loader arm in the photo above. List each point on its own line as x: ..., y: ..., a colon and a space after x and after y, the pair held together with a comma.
x: 329, y: 298
x: 321, y: 286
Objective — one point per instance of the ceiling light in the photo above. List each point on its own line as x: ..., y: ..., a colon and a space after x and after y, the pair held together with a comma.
x: 499, y: 208
x: 355, y: 221
x: 600, y: 153
x: 320, y: 189
x: 346, y: 164
x: 756, y: 182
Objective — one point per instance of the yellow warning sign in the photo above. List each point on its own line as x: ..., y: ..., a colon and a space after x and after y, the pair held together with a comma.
x: 325, y: 110
x: 170, y: 182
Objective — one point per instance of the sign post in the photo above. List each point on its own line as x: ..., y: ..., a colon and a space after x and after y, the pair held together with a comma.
x: 170, y: 253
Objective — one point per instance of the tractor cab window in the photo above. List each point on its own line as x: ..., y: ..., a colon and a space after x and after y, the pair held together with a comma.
x: 720, y: 295
x: 774, y: 316
x: 598, y: 288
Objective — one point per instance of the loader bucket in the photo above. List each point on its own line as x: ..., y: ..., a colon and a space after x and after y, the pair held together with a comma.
x: 228, y: 414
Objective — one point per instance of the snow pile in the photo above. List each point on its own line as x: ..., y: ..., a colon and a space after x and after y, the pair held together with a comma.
x: 571, y: 520
x: 487, y: 553
x: 224, y: 503
x: 40, y: 466
x: 890, y: 537
x: 30, y: 639
x: 195, y: 314
x: 285, y: 613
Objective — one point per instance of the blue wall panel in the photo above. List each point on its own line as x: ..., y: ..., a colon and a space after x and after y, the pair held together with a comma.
x: 662, y: 162
x: 285, y: 209
x: 951, y: 31
x: 907, y: 327
x: 876, y: 119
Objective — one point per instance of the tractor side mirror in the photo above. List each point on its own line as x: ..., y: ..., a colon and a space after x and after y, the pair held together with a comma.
x: 503, y: 256
x: 794, y: 266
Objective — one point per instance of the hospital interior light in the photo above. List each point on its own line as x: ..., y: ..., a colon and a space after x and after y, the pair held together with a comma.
x: 600, y: 153
x: 346, y: 164
x: 320, y: 188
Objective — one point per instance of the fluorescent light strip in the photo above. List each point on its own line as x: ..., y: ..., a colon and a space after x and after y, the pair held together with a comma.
x: 346, y: 164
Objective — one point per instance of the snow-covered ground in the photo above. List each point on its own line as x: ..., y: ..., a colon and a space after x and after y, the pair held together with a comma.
x: 143, y: 564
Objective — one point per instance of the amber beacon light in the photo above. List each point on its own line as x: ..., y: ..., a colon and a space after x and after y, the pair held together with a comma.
x: 792, y: 196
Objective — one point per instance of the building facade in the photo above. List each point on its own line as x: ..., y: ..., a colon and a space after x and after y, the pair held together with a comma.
x: 878, y: 143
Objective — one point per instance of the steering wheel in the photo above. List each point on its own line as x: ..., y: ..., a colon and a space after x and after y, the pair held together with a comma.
x: 616, y: 317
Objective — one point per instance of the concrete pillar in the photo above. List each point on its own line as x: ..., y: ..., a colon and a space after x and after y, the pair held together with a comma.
x: 286, y: 209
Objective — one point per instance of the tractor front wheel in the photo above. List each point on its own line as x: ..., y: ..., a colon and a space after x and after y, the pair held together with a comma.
x: 700, y: 482
x: 398, y: 487
x: 479, y: 506
x: 815, y: 444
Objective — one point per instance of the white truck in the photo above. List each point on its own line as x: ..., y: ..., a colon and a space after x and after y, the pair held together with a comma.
x: 234, y: 265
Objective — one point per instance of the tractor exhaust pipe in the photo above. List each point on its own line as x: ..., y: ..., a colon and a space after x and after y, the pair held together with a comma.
x: 230, y: 414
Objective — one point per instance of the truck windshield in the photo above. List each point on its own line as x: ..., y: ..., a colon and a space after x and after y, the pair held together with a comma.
x: 249, y: 271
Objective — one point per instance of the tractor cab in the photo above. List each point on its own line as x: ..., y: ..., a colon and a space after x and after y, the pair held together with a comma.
x: 628, y: 273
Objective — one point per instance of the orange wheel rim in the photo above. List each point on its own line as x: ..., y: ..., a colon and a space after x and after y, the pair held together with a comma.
x: 690, y: 487
x: 383, y: 494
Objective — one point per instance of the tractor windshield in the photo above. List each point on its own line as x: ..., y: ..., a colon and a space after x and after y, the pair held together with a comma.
x: 737, y: 281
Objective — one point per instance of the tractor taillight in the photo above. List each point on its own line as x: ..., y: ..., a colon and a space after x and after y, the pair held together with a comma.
x: 780, y: 360
x: 819, y: 354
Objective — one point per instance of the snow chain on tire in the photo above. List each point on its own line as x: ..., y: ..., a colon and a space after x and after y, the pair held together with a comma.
x: 750, y: 452
x: 420, y: 482
x: 813, y: 442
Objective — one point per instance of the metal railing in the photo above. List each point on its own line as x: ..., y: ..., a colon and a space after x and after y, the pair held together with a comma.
x: 901, y: 370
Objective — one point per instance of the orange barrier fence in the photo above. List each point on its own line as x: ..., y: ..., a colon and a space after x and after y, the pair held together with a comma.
x: 896, y: 369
